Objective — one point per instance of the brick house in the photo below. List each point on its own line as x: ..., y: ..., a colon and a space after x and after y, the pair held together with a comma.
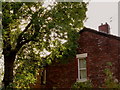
x: 96, y: 48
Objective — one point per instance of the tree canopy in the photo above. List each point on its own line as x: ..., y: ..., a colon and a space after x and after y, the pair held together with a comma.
x: 35, y: 35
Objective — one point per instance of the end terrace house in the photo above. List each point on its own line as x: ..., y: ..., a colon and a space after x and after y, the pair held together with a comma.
x: 95, y: 49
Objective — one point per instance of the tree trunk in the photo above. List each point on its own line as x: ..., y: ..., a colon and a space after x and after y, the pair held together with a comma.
x: 9, y: 59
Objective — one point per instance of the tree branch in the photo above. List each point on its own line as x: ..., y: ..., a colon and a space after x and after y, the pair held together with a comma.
x: 26, y: 28
x: 18, y: 46
x: 20, y: 43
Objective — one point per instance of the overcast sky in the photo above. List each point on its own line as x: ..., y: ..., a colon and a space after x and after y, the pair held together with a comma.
x: 100, y: 11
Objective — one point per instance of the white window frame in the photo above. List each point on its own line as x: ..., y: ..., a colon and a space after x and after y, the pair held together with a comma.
x: 81, y: 56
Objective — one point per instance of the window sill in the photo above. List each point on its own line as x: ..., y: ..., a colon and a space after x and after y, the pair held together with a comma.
x: 82, y: 80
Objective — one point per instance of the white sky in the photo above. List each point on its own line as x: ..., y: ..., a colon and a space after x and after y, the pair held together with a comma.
x: 100, y: 11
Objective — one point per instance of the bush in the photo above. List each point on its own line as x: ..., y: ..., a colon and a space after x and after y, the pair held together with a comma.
x: 82, y: 85
x: 110, y: 80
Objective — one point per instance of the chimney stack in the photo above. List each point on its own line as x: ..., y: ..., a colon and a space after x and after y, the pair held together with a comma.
x: 104, y: 28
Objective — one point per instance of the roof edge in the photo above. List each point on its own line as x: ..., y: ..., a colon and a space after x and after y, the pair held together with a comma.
x: 98, y: 32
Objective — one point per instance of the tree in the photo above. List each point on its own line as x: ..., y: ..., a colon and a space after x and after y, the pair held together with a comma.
x: 28, y: 27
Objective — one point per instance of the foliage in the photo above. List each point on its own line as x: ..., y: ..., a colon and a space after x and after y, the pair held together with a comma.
x: 31, y: 30
x: 110, y: 80
x: 82, y: 85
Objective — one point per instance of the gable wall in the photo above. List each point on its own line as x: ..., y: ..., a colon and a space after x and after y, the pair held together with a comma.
x: 101, y: 50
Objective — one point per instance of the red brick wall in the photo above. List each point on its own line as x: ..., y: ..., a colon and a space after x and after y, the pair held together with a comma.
x: 101, y: 49
x: 62, y: 75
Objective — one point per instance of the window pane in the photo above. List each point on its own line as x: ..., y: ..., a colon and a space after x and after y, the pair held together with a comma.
x: 83, y: 74
x: 82, y: 63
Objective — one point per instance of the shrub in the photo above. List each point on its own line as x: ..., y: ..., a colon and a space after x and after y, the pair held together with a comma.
x: 110, y: 80
x: 82, y: 85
